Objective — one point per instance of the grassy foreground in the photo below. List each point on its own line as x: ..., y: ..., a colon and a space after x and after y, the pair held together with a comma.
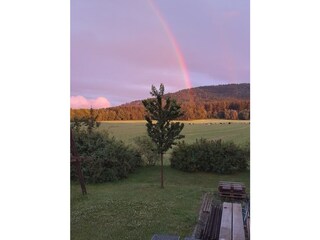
x: 136, y: 208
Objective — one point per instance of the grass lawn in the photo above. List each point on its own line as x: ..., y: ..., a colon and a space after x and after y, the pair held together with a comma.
x: 136, y: 208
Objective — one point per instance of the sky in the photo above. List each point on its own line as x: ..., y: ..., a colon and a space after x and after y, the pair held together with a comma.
x: 119, y: 48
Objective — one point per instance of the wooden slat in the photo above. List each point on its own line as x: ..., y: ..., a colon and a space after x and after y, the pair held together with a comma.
x: 203, y: 215
x: 232, y: 184
x: 226, y: 182
x: 237, y: 187
x: 233, y: 195
x: 226, y: 221
x: 225, y: 187
x: 237, y: 229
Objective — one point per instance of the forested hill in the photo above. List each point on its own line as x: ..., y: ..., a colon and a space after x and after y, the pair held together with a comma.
x: 231, y: 101
x: 208, y: 94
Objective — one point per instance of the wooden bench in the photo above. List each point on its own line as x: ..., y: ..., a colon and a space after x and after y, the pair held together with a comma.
x: 231, y: 227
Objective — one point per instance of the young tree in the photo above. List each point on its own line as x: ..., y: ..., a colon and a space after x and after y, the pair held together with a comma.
x: 91, y: 121
x: 159, y: 115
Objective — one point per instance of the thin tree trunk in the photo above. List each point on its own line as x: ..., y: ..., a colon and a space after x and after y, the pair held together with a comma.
x: 81, y: 178
x: 161, y: 171
x: 74, y: 153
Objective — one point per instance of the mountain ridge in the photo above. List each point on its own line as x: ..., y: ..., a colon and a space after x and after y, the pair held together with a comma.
x: 229, y: 101
x: 212, y: 92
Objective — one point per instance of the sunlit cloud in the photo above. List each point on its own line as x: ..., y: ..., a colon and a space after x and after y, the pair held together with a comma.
x: 77, y: 102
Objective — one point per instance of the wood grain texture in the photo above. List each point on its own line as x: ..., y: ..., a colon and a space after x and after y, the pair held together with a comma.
x: 237, y: 222
x: 226, y: 222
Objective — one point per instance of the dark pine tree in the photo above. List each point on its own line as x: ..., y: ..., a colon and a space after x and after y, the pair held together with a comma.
x: 161, y: 129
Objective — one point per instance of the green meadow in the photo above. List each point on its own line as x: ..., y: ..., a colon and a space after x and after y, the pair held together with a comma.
x: 136, y: 207
x: 237, y: 131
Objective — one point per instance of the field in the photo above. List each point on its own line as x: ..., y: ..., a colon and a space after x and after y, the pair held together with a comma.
x: 237, y: 131
x: 136, y: 207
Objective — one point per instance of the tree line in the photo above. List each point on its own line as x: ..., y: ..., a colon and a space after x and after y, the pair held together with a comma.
x: 232, y: 109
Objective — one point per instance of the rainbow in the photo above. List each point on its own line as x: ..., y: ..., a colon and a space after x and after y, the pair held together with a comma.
x: 174, y: 43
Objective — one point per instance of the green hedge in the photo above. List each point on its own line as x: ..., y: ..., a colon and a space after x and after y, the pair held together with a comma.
x: 210, y: 156
x: 104, y: 158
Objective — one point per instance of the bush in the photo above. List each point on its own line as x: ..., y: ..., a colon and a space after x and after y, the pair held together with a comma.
x: 244, y: 114
x: 210, y: 156
x: 147, y: 149
x: 104, y: 158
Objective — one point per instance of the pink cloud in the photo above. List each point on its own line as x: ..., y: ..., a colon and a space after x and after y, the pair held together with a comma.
x: 77, y: 102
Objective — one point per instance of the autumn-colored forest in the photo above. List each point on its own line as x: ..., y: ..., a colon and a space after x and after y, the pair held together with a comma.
x: 230, y: 101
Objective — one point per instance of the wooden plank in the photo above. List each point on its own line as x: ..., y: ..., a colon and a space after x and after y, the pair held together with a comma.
x: 225, y: 188
x: 226, y: 222
x: 237, y: 222
x: 232, y: 195
x: 237, y: 187
x: 203, y: 215
x: 227, y: 182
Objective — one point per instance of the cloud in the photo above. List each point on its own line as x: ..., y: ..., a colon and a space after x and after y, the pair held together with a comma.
x: 77, y: 102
